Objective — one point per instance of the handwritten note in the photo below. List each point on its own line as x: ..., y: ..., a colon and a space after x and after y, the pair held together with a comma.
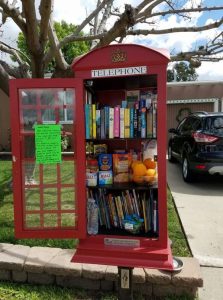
x: 48, y: 144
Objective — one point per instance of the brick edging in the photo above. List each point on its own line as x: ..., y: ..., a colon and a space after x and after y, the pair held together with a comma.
x: 44, y: 265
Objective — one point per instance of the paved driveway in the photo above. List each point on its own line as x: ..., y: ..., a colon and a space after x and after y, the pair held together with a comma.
x: 200, y: 207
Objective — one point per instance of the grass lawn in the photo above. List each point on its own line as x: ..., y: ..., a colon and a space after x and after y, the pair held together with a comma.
x: 18, y: 291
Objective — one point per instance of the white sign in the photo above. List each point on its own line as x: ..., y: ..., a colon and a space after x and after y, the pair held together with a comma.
x: 121, y: 242
x: 119, y: 71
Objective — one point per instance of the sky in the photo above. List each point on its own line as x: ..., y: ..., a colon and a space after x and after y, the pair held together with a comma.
x: 74, y: 11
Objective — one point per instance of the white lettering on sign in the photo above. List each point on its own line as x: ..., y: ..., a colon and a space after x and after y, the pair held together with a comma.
x: 119, y: 71
x: 121, y: 242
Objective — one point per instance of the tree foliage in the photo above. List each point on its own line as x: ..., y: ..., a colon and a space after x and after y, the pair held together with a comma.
x: 69, y: 51
x: 46, y: 43
x: 182, y: 71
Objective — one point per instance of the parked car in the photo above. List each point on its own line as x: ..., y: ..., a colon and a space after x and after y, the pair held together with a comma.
x: 197, y: 143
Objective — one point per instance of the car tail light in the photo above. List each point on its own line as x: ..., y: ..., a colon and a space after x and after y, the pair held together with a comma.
x: 204, y: 138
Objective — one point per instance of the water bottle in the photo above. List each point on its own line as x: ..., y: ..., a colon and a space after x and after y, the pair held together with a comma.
x: 92, y: 216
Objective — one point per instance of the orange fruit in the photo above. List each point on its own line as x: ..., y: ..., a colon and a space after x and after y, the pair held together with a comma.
x: 135, y: 162
x: 139, y: 169
x: 149, y: 178
x: 138, y: 179
x: 149, y: 163
x: 150, y: 172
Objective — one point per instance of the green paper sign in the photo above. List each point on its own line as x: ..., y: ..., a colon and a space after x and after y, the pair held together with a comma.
x: 48, y: 144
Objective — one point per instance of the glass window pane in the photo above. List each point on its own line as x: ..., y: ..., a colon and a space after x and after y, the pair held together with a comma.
x: 50, y: 198
x: 68, y: 220
x: 30, y: 173
x: 32, y: 221
x: 48, y: 115
x: 29, y: 119
x: 67, y: 198
x: 50, y: 220
x: 28, y: 97
x: 49, y: 174
x: 70, y: 96
x: 29, y: 146
x: 70, y: 114
x: 67, y: 172
x: 32, y: 199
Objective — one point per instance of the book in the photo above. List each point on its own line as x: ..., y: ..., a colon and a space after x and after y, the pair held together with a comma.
x: 93, y: 121
x: 102, y: 123
x: 87, y: 121
x: 98, y: 123
x: 131, y: 122
x: 116, y: 121
x: 111, y: 123
x: 143, y: 122
x: 132, y: 97
x: 154, y: 119
x: 106, y: 122
x: 149, y: 122
x: 122, y: 122
x: 127, y: 122
x: 135, y: 122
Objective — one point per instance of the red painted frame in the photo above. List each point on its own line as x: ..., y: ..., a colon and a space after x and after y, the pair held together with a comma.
x: 152, y: 253
x: 20, y: 231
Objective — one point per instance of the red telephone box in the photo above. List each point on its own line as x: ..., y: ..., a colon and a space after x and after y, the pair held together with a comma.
x: 50, y: 199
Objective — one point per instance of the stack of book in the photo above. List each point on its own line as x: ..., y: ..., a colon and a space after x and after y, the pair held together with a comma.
x: 114, y: 208
x: 128, y: 120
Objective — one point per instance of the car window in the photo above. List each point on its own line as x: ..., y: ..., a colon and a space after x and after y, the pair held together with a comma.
x: 196, y: 124
x: 187, y: 125
x: 214, y: 125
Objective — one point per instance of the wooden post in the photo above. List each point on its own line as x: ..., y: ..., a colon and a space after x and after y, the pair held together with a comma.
x: 125, y: 288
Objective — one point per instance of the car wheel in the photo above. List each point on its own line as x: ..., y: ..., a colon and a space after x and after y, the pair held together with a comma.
x: 186, y: 172
x: 170, y: 155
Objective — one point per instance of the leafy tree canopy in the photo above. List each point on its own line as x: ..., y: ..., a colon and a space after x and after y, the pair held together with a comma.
x: 182, y: 71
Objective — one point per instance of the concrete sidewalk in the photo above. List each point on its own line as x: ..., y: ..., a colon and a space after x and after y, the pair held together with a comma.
x: 200, y: 207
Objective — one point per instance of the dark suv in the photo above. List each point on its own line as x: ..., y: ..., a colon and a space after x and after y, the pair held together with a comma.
x: 197, y: 143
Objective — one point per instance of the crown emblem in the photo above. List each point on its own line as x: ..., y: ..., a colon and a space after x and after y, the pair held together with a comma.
x: 118, y: 56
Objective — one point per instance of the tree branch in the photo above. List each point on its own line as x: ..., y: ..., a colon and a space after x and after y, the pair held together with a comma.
x: 13, y: 13
x: 182, y: 11
x: 15, y: 52
x: 4, y: 80
x: 70, y: 37
x: 62, y: 64
x: 177, y: 29
x: 16, y: 72
x: 45, y: 10
x: 32, y: 26
x: 120, y: 27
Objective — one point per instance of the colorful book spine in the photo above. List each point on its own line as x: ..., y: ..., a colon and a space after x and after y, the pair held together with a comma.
x: 127, y: 122
x: 87, y: 121
x: 98, y: 123
x: 102, y: 123
x: 90, y: 121
x: 154, y: 120
x: 143, y: 123
x: 106, y: 121
x: 111, y: 123
x: 122, y: 122
x: 149, y: 123
x: 131, y: 122
x: 135, y: 122
x: 94, y: 132
x: 117, y: 121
